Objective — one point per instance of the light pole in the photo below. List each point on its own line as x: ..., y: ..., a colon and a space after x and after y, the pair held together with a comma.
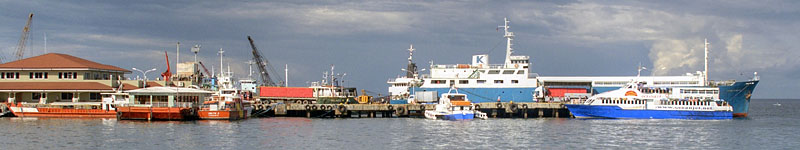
x: 144, y: 73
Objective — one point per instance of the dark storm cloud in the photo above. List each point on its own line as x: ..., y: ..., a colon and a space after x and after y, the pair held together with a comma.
x: 367, y: 39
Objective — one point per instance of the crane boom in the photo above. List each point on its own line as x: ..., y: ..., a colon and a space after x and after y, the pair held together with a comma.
x: 261, y: 62
x: 204, y: 68
x: 24, y: 38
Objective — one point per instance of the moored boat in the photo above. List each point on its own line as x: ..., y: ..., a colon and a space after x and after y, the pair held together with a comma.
x: 454, y: 106
x: 636, y: 102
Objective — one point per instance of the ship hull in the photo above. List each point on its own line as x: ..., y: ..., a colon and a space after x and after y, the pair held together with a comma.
x: 220, y: 115
x: 738, y: 96
x: 62, y: 112
x: 594, y: 111
x: 155, y: 113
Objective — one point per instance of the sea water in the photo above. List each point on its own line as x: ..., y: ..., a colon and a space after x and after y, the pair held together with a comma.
x: 768, y: 127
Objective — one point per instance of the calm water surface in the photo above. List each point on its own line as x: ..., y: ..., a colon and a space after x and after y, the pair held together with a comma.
x: 768, y: 127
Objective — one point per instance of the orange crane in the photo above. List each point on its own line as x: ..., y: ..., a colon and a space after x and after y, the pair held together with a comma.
x: 167, y: 74
x: 24, y: 38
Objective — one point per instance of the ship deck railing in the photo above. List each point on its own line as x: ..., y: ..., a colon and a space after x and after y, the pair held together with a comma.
x: 162, y: 104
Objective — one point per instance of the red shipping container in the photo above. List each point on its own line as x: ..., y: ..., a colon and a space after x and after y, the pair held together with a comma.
x: 559, y: 92
x: 292, y: 92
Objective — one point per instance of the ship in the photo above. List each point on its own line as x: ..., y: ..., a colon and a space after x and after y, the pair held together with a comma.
x: 328, y: 91
x: 514, y: 81
x: 637, y: 101
x: 227, y: 104
x: 454, y: 106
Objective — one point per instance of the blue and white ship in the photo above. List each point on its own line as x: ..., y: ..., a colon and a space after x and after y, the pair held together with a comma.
x: 633, y: 101
x: 513, y: 81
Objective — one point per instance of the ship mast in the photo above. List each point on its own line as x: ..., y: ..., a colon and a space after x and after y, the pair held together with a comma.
x: 705, y: 73
x: 411, y: 69
x: 509, y: 36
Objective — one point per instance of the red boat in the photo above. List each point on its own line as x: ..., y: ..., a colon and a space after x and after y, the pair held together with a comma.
x: 155, y: 113
x: 215, y: 110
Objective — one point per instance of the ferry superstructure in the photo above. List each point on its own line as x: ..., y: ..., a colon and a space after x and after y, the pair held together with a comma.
x: 513, y: 81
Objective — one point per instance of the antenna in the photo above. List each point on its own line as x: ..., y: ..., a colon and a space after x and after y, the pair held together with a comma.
x: 221, y: 69
x: 705, y: 73
x: 410, y: 53
x: 195, y: 50
x: 45, y: 42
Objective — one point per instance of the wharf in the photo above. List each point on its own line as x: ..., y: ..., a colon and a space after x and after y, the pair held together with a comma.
x: 494, y: 110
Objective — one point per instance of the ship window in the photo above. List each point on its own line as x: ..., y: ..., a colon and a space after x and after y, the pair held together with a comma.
x: 521, y: 72
x: 94, y: 96
x: 494, y: 71
x: 66, y: 95
x: 438, y: 81
x: 481, y: 81
x: 498, y: 81
x: 463, y: 81
x: 508, y: 72
x: 514, y: 81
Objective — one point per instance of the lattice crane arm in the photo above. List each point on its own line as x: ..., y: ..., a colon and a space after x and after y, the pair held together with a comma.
x: 261, y: 62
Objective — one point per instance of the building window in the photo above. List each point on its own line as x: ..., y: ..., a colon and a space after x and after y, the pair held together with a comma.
x: 498, y: 81
x: 96, y: 76
x: 481, y: 81
x: 105, y: 76
x: 86, y: 76
x: 66, y: 95
x: 514, y: 81
x: 94, y: 96
x: 38, y: 75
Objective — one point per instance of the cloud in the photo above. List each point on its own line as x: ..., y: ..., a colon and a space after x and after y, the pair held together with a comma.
x: 113, y: 39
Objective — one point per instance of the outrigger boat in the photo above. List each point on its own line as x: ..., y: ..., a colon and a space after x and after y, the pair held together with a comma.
x: 454, y: 106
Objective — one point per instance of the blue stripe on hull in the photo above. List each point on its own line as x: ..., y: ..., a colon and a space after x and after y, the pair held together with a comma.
x: 467, y: 116
x: 590, y: 111
x: 482, y: 95
x: 738, y: 95
x: 398, y: 101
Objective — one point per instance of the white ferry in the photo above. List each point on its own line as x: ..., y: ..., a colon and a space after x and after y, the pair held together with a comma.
x: 633, y: 101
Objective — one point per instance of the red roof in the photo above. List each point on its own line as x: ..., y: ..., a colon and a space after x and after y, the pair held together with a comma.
x: 56, y: 60
x: 54, y: 86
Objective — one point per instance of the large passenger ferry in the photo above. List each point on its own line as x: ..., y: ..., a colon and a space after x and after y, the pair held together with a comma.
x: 513, y: 81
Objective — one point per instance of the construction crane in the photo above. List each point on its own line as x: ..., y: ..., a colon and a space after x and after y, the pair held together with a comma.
x: 167, y: 74
x: 261, y: 62
x: 24, y: 38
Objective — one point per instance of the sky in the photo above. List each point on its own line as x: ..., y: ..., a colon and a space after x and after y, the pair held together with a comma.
x: 367, y: 40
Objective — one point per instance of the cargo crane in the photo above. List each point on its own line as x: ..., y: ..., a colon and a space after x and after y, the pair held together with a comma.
x: 167, y: 74
x: 262, y: 68
x: 24, y: 38
x: 204, y: 68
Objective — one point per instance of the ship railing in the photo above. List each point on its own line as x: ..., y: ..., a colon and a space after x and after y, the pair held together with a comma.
x: 468, y: 66
x: 161, y: 104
